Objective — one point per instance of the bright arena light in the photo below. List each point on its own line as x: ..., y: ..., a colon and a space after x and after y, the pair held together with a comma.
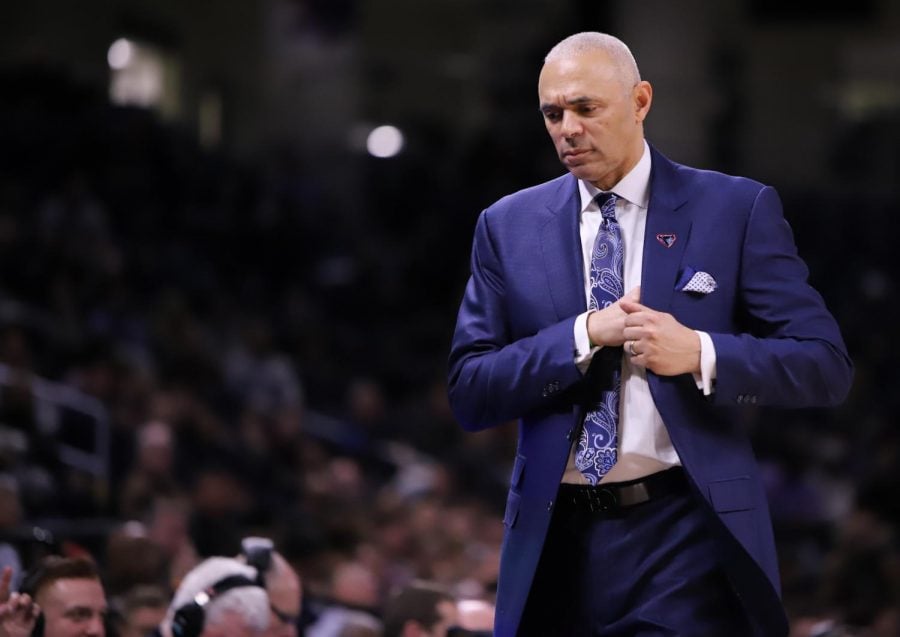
x: 384, y: 141
x: 119, y: 54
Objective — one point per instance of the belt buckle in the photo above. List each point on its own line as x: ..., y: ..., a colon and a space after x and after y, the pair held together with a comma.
x: 602, y: 499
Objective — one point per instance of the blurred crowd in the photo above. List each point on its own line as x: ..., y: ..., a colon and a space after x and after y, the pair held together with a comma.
x: 191, y: 353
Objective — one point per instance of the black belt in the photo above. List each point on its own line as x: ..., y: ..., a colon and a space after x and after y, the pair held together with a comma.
x: 615, y: 496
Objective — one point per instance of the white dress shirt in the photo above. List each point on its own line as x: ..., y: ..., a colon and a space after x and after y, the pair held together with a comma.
x: 644, y: 443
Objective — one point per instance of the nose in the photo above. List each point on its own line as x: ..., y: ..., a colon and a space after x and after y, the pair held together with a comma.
x: 571, y: 124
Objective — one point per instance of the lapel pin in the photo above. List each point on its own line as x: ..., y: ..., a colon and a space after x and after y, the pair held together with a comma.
x: 667, y: 240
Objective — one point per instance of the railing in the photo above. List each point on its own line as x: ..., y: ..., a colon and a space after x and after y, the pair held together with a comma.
x: 77, y: 423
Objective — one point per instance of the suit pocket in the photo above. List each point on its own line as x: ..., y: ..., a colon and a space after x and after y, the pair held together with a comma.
x: 736, y: 506
x: 512, y: 509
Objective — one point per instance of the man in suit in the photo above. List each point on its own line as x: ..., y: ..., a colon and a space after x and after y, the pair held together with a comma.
x: 625, y: 314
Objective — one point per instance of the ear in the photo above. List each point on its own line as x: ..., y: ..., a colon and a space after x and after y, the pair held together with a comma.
x: 643, y: 97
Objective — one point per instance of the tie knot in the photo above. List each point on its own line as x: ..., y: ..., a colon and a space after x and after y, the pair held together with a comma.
x: 607, y: 203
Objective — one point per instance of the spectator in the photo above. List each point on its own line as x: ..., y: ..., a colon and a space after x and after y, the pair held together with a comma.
x: 167, y: 524
x: 218, y: 598
x: 70, y: 595
x: 475, y: 616
x: 353, y: 592
x: 421, y: 609
x: 141, y: 610
x: 133, y: 559
x: 153, y: 473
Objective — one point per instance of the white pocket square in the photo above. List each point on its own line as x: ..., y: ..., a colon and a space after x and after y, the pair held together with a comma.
x: 698, y: 282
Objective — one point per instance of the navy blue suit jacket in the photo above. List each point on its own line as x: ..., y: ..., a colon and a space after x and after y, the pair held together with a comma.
x: 776, y: 344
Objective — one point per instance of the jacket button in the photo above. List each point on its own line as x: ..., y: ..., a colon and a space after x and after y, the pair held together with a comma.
x: 550, y: 505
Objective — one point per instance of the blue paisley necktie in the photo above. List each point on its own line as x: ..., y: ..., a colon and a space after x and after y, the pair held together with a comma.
x: 596, y: 452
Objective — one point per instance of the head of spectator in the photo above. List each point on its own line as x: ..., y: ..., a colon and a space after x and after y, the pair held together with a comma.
x: 141, y: 610
x: 282, y: 585
x: 421, y: 609
x: 475, y: 616
x: 156, y: 449
x: 352, y: 599
x: 353, y: 584
x: 167, y: 524
x: 220, y: 597
x: 71, y: 597
x: 133, y: 559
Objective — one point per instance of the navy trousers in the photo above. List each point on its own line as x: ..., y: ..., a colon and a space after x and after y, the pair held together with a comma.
x: 647, y: 570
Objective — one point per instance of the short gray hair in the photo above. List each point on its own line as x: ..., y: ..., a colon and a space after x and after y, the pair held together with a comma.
x: 589, y: 41
x: 249, y: 602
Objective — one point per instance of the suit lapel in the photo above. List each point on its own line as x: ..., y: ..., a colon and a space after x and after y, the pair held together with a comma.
x: 561, y: 251
x: 665, y: 224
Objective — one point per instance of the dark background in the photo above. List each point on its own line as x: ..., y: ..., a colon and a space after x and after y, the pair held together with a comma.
x: 273, y: 277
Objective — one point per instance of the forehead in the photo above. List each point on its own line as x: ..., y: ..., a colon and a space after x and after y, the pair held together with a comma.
x: 589, y: 73
x: 66, y: 593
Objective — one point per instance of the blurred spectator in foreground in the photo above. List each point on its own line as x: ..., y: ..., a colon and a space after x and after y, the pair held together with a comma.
x: 140, y: 611
x: 70, y: 595
x: 220, y: 597
x: 476, y: 617
x: 421, y: 609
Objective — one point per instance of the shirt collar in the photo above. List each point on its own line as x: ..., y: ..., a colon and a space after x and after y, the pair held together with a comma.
x: 633, y: 187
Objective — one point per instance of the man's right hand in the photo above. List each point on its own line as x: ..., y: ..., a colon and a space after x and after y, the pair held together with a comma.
x: 606, y: 327
x: 18, y: 615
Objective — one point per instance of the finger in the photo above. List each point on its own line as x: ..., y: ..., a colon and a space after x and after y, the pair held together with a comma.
x: 638, y: 359
x: 630, y: 307
x: 5, y: 580
x: 637, y: 319
x: 22, y: 601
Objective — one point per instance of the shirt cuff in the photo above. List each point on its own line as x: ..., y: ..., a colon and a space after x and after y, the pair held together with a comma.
x: 584, y: 352
x: 707, y: 373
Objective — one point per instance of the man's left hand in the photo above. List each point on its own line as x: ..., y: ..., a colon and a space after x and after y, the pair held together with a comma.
x: 660, y: 343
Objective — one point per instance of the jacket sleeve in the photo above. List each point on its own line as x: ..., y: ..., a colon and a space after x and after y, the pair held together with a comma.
x: 793, y: 355
x: 495, y: 375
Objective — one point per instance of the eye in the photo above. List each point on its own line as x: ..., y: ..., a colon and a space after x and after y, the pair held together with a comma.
x: 552, y: 116
x: 80, y: 614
